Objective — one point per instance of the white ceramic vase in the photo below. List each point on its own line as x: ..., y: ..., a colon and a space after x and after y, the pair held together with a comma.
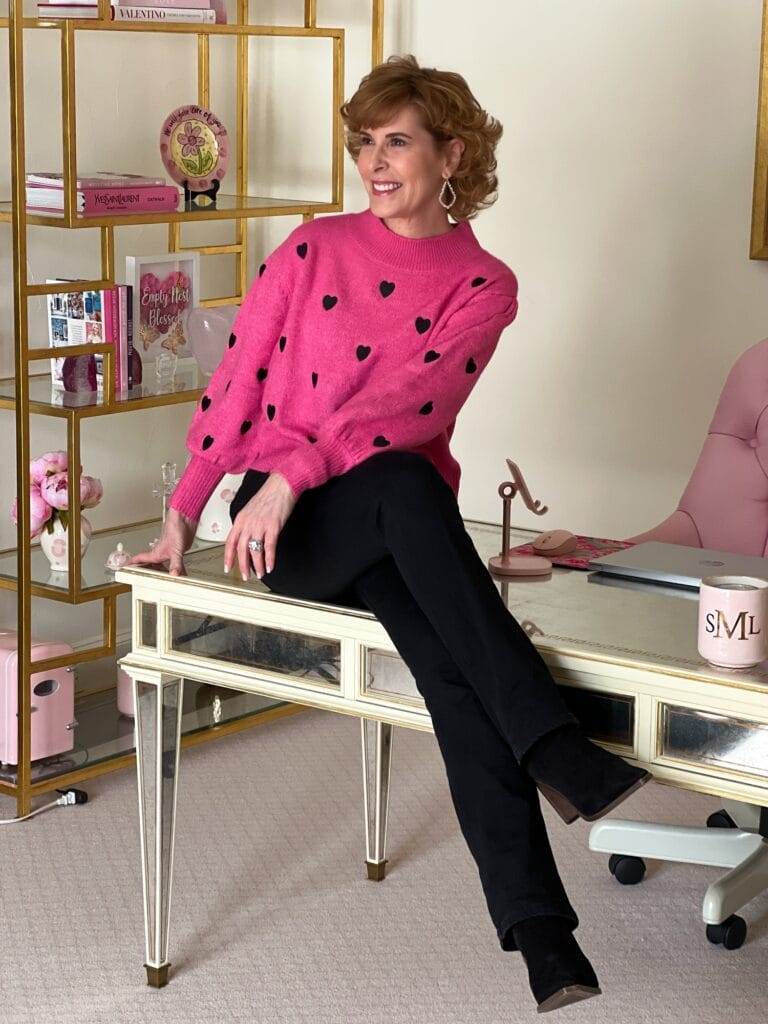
x: 56, y: 544
x: 215, y: 523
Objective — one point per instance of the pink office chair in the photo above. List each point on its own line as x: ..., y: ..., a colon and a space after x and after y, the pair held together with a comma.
x: 725, y: 504
x: 725, y: 507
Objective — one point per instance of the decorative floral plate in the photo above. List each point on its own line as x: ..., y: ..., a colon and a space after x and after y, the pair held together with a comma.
x: 194, y: 146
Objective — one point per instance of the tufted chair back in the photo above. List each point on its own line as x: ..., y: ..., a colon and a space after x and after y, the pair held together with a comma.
x: 725, y: 503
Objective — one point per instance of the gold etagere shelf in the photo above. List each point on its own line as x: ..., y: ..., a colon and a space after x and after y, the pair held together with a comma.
x: 27, y: 393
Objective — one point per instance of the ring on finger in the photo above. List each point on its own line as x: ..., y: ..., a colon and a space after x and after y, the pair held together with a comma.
x: 255, y: 544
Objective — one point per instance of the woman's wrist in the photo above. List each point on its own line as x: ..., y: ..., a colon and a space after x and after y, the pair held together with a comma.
x: 284, y: 483
x: 175, y: 516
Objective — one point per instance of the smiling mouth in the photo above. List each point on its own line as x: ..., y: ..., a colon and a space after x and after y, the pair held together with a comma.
x: 384, y: 191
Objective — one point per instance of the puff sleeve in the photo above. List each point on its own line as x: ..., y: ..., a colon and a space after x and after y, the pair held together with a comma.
x: 413, y: 404
x: 217, y: 437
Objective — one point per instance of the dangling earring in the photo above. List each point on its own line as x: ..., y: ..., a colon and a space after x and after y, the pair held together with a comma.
x: 447, y: 206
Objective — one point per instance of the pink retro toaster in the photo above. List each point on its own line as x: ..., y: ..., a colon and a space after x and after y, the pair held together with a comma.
x: 53, y: 702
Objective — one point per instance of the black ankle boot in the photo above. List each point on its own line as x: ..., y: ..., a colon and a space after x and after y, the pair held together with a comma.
x: 558, y: 971
x: 578, y: 777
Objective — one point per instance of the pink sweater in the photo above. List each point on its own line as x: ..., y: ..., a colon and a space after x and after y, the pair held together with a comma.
x: 351, y: 340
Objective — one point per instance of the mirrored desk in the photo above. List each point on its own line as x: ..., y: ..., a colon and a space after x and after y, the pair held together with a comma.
x: 624, y: 657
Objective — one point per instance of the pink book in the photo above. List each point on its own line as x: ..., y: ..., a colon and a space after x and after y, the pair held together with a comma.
x: 109, y: 328
x: 122, y: 298
x: 120, y: 355
x: 105, y: 200
x: 128, y: 289
x: 140, y: 200
x: 219, y: 6
x: 94, y: 179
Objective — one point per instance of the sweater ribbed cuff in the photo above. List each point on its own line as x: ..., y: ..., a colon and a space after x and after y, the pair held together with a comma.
x: 311, y: 465
x: 197, y: 484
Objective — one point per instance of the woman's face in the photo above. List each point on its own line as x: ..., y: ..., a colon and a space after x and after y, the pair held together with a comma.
x: 405, y: 155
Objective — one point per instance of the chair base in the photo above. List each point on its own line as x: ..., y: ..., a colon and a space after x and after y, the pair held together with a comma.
x: 742, y: 849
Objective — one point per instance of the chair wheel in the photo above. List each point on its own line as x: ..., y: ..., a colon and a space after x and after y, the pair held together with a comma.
x: 625, y: 869
x: 720, y: 819
x: 730, y: 933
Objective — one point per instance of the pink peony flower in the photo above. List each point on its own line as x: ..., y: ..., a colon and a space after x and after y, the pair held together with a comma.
x: 39, y: 511
x: 55, y: 490
x: 95, y: 492
x: 44, y: 465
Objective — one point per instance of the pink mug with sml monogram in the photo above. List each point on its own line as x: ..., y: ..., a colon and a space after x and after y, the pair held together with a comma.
x: 733, y: 620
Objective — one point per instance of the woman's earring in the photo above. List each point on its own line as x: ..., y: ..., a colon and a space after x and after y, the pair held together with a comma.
x: 440, y: 198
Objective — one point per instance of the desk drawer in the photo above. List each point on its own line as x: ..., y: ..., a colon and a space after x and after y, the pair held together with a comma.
x: 605, y: 716
x: 705, y: 739
x: 315, y: 660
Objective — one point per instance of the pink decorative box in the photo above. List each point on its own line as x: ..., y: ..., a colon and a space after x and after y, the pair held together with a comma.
x: 53, y: 702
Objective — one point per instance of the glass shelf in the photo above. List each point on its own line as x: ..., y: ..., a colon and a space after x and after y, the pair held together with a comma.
x: 216, y: 28
x: 95, y: 576
x: 187, y: 386
x: 226, y: 208
x: 103, y: 733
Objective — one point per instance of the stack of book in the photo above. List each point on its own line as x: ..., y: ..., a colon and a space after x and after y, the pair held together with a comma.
x: 207, y: 12
x: 96, y: 317
x: 102, y: 192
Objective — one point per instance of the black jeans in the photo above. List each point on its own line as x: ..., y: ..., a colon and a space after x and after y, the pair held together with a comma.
x: 388, y: 536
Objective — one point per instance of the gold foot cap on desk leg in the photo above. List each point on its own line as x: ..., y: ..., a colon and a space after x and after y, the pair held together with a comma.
x: 157, y: 977
x: 376, y: 870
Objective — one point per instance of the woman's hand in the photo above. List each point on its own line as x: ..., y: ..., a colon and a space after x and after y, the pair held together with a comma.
x: 177, y: 536
x: 263, y: 518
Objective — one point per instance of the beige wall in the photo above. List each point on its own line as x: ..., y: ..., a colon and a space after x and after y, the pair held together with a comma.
x: 624, y: 208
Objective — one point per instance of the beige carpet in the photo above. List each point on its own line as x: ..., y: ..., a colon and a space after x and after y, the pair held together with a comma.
x: 274, y: 922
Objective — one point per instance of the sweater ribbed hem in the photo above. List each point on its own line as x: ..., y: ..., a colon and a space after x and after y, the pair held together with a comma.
x: 312, y: 464
x: 197, y: 484
x: 435, y: 252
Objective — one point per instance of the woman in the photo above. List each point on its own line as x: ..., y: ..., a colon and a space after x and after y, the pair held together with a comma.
x: 352, y: 353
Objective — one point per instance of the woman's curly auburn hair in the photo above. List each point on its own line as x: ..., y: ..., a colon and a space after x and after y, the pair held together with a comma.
x: 448, y: 110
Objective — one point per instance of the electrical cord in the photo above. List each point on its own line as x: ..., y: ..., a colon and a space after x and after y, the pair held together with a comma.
x: 68, y: 796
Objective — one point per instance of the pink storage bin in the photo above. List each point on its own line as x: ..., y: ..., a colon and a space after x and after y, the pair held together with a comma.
x: 53, y: 702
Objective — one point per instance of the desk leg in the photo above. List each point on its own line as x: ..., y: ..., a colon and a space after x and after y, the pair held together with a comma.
x: 377, y: 760
x: 158, y: 733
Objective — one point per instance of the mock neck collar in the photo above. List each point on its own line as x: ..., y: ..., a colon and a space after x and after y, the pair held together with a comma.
x: 432, y: 253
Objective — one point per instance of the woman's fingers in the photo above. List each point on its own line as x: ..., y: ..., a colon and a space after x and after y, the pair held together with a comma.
x: 176, y: 567
x: 246, y: 555
x: 147, y: 557
x: 270, y: 546
x: 230, y: 545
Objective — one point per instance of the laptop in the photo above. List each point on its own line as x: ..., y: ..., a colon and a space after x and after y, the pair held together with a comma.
x: 677, y: 564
